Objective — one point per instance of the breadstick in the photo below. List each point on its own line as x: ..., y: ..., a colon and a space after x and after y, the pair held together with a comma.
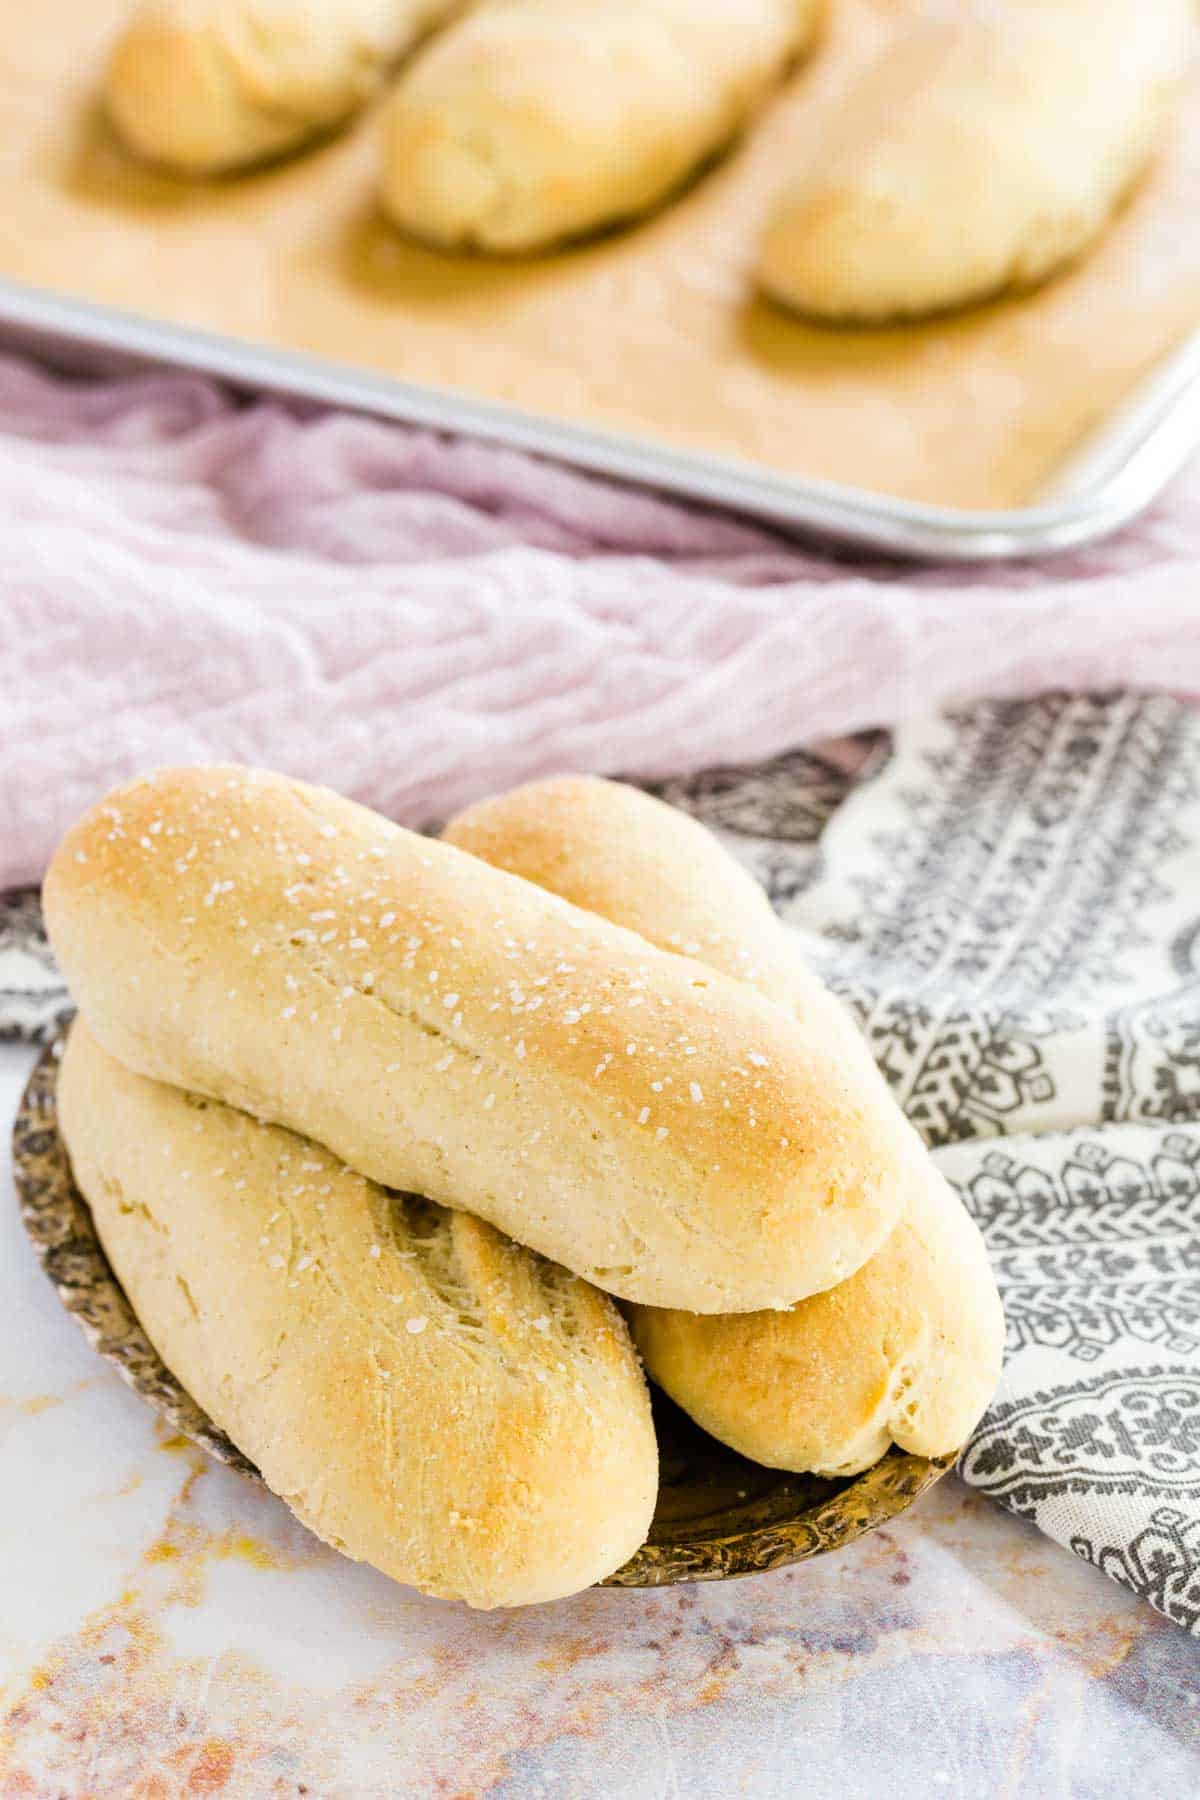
x: 981, y: 154
x: 908, y: 1349
x: 533, y: 121
x: 206, y: 86
x: 450, y: 1030
x: 425, y: 1396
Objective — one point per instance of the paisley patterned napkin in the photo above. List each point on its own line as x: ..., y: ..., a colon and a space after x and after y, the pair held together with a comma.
x: 1009, y: 898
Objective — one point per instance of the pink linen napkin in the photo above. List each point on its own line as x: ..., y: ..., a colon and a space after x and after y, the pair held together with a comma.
x: 417, y: 620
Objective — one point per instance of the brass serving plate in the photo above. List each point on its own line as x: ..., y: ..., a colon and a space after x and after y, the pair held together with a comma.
x: 718, y: 1515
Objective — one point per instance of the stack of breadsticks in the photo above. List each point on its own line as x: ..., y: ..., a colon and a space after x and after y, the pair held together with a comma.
x: 372, y: 1124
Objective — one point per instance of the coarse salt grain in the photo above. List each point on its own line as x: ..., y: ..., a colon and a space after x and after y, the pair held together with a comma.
x: 416, y: 1326
x: 695, y: 1091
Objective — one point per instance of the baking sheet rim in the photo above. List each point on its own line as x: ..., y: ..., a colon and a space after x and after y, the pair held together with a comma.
x: 1118, y: 471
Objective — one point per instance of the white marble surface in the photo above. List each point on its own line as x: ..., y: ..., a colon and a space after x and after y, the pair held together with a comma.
x: 165, y: 1629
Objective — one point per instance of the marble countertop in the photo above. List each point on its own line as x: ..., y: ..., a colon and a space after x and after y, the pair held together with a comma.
x: 166, y: 1629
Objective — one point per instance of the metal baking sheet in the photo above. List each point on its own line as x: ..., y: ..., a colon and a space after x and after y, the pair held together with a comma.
x: 1028, y: 426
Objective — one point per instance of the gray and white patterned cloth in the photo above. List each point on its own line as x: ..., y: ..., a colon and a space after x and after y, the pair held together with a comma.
x: 1009, y: 899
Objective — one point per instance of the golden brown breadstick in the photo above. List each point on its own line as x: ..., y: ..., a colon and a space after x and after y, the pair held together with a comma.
x: 206, y: 86
x: 425, y: 1396
x: 906, y: 1350
x: 981, y: 153
x: 450, y: 1030
x: 533, y: 121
